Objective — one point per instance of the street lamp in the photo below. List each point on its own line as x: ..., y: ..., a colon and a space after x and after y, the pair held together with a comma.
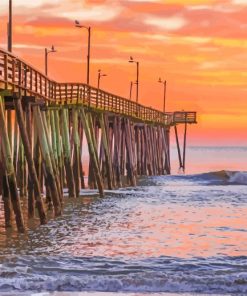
x: 99, y: 76
x: 164, y: 83
x: 10, y: 27
x: 46, y: 58
x: 78, y: 25
x: 131, y: 86
x: 131, y: 60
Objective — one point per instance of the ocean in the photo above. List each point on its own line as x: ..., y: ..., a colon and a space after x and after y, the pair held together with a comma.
x: 184, y: 233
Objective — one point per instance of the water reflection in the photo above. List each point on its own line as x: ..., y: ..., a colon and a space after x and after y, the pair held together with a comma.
x: 153, y: 221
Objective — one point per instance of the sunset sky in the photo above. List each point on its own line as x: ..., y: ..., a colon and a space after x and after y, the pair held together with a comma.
x: 198, y: 46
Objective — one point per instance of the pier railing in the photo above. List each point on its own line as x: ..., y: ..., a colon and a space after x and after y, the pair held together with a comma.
x: 182, y: 117
x: 18, y: 76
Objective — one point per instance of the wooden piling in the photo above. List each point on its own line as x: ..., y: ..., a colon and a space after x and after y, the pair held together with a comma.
x: 148, y: 151
x: 31, y: 168
x: 50, y: 178
x: 122, y: 149
x: 178, y: 148
x: 8, y: 164
x: 92, y: 151
x: 185, y: 141
x: 30, y: 187
x: 108, y: 160
x: 67, y: 153
x: 5, y: 196
x: 47, y: 131
x: 117, y: 148
x: 94, y: 132
x: 76, y: 160
x: 16, y: 144
x: 129, y: 150
x: 59, y: 146
x: 81, y: 133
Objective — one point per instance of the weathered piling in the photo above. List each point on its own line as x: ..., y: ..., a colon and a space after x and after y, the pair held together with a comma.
x: 67, y: 152
x: 117, y: 147
x: 50, y: 174
x: 185, y: 142
x: 10, y: 172
x: 76, y: 160
x: 31, y: 168
x: 30, y: 187
x: 59, y: 147
x: 108, y: 159
x: 92, y: 150
x: 178, y: 148
x: 47, y: 131
x: 129, y: 149
x: 6, y: 196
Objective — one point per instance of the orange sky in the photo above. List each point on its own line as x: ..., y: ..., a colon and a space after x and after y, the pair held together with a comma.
x: 198, y: 46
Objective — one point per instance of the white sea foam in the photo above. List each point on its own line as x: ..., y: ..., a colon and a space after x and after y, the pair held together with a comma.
x: 238, y: 178
x: 178, y: 283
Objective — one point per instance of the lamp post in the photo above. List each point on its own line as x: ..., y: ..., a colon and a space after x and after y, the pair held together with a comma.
x: 164, y: 83
x: 46, y: 58
x: 78, y: 25
x: 10, y: 27
x: 131, y: 86
x: 99, y: 76
x: 131, y: 60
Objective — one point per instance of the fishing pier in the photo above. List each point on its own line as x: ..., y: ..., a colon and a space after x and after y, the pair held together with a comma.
x: 44, y: 126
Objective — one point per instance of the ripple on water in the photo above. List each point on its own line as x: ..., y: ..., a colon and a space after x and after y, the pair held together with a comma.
x: 170, y: 234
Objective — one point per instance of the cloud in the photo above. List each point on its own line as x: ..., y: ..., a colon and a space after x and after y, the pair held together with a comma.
x: 28, y: 46
x: 168, y: 23
x: 208, y: 65
x: 71, y: 10
x: 20, y: 5
x: 145, y: 1
x: 239, y: 2
x: 96, y: 13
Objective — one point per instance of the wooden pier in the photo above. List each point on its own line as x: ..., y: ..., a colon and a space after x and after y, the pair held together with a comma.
x: 45, y: 124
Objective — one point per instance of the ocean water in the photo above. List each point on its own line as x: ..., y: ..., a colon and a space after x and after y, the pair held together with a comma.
x: 184, y: 233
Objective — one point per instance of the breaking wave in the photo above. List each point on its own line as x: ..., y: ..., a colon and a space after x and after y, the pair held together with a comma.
x: 223, y: 177
x: 164, y: 274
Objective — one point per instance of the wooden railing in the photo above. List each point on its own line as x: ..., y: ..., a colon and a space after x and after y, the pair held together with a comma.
x: 18, y: 76
x: 182, y: 117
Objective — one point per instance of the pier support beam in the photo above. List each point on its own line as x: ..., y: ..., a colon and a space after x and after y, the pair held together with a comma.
x: 108, y: 160
x: 178, y: 148
x: 8, y: 164
x: 92, y: 151
x: 50, y: 175
x: 76, y: 160
x: 28, y: 153
x: 67, y: 152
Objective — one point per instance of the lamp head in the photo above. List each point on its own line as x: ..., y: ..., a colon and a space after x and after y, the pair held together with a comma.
x: 77, y: 24
x: 53, y: 49
x: 131, y: 60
